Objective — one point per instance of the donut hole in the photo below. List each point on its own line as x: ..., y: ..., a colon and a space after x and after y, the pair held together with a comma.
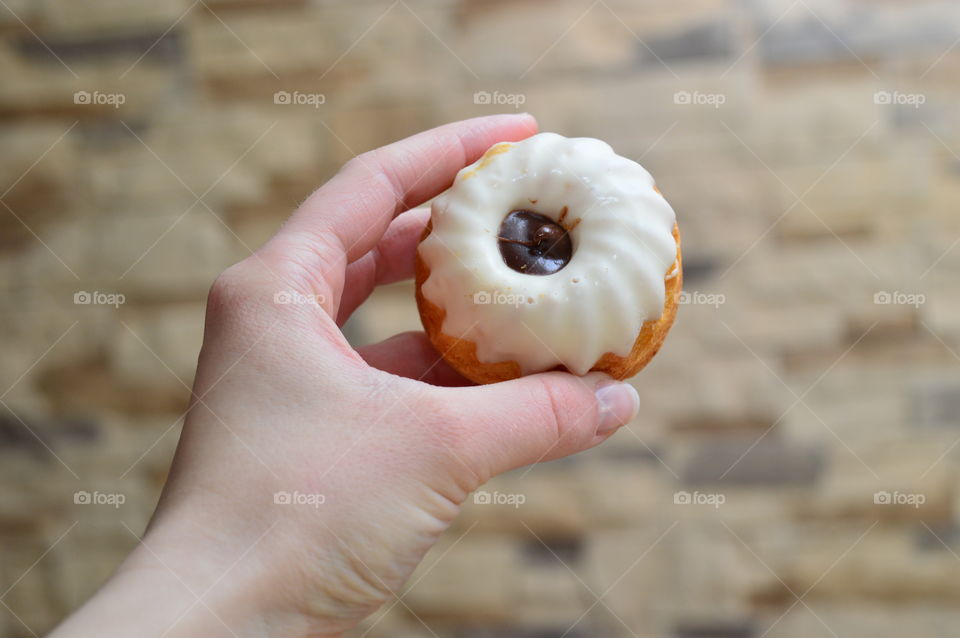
x: 534, y: 244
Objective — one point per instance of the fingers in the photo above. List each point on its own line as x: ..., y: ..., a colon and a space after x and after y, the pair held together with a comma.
x: 537, y: 418
x: 358, y: 203
x: 346, y: 217
x: 390, y: 260
x: 411, y: 355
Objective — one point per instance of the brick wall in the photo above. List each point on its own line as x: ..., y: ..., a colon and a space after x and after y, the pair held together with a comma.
x: 810, y: 149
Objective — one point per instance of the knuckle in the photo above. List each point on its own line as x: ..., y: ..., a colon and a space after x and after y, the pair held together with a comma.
x: 229, y: 291
x: 564, y: 412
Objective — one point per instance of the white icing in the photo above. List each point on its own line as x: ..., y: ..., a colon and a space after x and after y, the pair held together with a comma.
x: 623, y: 248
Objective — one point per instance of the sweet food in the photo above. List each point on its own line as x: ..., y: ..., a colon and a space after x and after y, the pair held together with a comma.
x: 549, y: 253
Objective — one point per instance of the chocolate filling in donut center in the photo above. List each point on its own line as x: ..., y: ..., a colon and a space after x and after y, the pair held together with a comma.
x: 534, y: 244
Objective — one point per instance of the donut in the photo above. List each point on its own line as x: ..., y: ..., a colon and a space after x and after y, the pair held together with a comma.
x: 552, y: 253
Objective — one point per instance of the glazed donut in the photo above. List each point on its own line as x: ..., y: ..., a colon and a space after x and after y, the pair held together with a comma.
x: 550, y: 253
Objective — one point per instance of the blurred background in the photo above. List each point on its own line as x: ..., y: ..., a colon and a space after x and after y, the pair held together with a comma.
x: 793, y: 472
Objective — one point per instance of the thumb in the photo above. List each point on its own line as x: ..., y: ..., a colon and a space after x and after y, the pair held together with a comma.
x: 537, y: 418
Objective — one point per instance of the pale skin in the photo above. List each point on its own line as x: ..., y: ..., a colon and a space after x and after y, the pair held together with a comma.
x: 390, y: 436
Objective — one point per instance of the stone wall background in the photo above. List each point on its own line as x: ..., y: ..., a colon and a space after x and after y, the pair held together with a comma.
x: 814, y: 370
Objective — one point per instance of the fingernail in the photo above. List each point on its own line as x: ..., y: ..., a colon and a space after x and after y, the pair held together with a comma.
x: 619, y: 403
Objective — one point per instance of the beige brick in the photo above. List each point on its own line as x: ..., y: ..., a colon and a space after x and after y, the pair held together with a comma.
x: 877, y: 620
x: 62, y: 17
x: 157, y: 255
x: 915, y: 482
x: 901, y: 575
x: 597, y: 39
x: 543, y: 502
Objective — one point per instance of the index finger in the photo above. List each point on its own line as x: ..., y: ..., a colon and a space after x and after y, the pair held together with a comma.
x: 356, y: 206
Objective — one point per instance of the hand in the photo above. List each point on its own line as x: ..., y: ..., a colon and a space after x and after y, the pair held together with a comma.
x: 388, y: 437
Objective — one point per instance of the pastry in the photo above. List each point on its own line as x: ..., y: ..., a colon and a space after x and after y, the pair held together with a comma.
x: 549, y: 253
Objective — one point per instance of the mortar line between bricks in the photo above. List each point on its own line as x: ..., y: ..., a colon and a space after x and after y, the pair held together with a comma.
x: 759, y: 39
x: 557, y: 41
x: 357, y: 41
x: 800, y: 398
x: 798, y: 199
x: 158, y: 40
x: 639, y: 39
x: 239, y: 39
x: 39, y: 359
x: 39, y: 39
x: 199, y: 199
x: 39, y: 439
x: 941, y: 541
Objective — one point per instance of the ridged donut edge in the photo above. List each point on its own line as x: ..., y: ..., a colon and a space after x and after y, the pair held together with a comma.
x: 461, y: 354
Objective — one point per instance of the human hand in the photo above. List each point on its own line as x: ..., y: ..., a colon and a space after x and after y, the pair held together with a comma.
x: 390, y: 436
